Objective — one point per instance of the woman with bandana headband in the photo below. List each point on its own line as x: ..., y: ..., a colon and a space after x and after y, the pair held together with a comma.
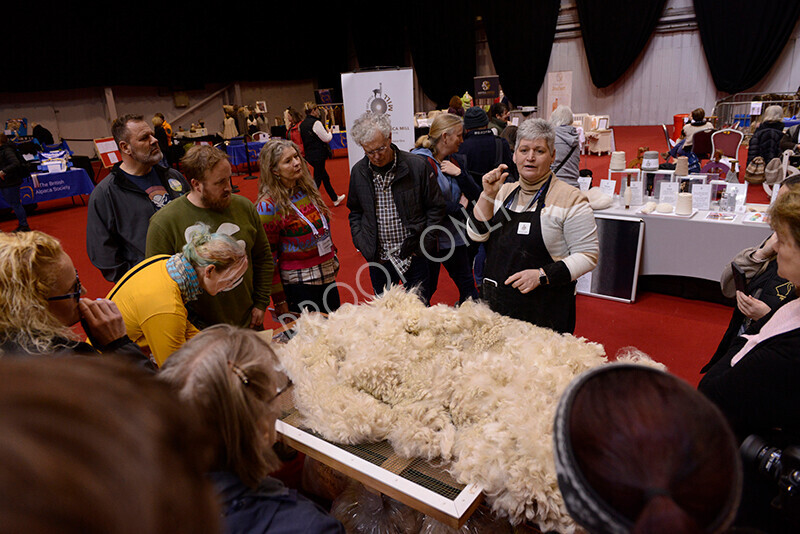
x: 152, y: 296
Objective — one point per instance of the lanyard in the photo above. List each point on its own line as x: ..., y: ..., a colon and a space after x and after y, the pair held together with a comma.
x: 512, y: 196
x: 313, y: 228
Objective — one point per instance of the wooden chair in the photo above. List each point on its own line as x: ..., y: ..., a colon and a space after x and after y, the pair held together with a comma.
x: 729, y: 141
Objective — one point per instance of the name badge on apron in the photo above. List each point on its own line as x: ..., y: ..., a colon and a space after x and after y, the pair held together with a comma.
x: 325, y: 245
x: 524, y: 228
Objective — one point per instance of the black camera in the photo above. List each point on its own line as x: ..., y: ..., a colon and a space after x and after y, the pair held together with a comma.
x: 782, y: 466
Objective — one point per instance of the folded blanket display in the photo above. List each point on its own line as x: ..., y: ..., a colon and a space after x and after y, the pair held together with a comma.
x: 467, y: 385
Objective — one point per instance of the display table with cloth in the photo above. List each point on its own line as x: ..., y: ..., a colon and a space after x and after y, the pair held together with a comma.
x: 690, y: 246
x: 236, y: 151
x: 53, y: 185
x: 339, y: 141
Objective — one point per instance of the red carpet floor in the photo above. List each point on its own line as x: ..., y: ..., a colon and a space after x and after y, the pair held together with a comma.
x: 680, y: 333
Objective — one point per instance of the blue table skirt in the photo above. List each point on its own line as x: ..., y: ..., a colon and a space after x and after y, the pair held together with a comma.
x: 54, y: 185
x: 339, y: 141
x: 238, y: 156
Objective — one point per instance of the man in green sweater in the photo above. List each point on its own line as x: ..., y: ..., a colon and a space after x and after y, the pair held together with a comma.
x: 211, y: 201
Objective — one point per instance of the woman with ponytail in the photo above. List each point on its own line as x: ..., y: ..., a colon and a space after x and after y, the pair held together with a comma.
x: 639, y: 450
x: 439, y: 147
x: 152, y: 296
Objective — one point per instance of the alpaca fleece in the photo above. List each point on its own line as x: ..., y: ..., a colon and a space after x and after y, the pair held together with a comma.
x: 467, y: 385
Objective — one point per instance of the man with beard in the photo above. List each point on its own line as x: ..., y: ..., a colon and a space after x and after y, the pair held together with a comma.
x: 122, y: 204
x: 211, y: 201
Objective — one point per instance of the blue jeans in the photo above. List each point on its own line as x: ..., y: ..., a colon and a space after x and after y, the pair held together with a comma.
x: 416, y: 275
x: 11, y: 196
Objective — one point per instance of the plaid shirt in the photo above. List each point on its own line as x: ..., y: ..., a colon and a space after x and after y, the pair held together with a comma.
x: 391, y: 232
x: 318, y: 275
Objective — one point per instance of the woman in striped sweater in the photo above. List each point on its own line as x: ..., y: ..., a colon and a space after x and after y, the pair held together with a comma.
x: 297, y: 224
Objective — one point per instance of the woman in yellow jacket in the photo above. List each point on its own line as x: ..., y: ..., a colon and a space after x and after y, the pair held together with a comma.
x: 152, y: 296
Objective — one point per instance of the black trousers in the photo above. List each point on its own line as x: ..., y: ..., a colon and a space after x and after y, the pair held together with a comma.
x: 321, y: 177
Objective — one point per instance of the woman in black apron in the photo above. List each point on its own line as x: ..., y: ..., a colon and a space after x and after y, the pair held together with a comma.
x: 522, y: 278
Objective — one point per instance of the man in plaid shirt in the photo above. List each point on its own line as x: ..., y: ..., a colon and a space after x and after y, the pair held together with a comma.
x: 393, y: 199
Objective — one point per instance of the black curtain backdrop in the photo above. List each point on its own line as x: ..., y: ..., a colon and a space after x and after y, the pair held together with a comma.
x: 616, y: 31
x: 442, y: 41
x: 742, y: 39
x: 520, y: 36
x: 176, y: 46
x: 379, y: 41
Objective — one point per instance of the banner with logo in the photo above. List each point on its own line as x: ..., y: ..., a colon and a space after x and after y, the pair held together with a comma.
x: 487, y: 87
x: 381, y: 91
x: 559, y: 90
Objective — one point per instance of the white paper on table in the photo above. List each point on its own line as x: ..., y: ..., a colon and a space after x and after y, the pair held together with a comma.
x: 335, y: 128
x: 584, y: 283
x: 755, y: 108
x: 584, y: 183
x: 112, y: 157
x: 608, y: 187
x: 669, y: 192
x: 106, y: 146
x: 637, y: 193
x: 701, y: 197
x: 515, y: 121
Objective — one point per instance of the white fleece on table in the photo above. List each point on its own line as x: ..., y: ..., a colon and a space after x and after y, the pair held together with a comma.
x: 465, y: 384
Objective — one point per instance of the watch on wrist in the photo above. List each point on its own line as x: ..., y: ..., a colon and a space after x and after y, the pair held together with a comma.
x: 543, y: 281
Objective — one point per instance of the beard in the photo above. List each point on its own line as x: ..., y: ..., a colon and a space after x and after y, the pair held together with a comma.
x: 215, y: 203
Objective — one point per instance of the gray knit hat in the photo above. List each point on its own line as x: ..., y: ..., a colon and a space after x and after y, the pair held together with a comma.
x: 475, y: 118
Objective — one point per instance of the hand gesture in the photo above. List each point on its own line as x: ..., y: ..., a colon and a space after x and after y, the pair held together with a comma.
x: 526, y: 281
x: 103, y: 320
x: 450, y: 168
x: 751, y: 307
x: 494, y: 179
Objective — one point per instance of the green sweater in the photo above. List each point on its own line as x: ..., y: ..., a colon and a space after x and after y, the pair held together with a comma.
x: 167, y: 235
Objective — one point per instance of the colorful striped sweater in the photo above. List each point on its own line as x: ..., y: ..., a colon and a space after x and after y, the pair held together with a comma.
x: 293, y: 244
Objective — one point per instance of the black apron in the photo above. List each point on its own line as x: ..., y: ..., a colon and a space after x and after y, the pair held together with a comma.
x: 508, y: 251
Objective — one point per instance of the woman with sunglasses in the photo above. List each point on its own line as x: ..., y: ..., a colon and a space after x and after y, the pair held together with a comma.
x: 152, y: 296
x: 230, y: 377
x: 40, y: 300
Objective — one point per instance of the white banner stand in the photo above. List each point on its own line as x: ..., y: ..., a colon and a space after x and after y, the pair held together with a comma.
x: 380, y: 91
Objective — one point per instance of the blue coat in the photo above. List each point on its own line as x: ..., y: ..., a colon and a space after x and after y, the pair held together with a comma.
x: 272, y: 508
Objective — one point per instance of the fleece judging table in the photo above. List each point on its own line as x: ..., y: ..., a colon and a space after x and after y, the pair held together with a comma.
x: 423, y: 486
x: 691, y: 246
x: 53, y: 185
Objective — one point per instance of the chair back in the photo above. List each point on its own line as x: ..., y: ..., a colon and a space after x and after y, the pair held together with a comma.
x: 670, y: 142
x: 701, y: 144
x: 727, y: 140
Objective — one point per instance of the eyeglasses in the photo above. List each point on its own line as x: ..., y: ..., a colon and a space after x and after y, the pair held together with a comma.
x: 280, y: 391
x: 74, y: 295
x: 376, y: 151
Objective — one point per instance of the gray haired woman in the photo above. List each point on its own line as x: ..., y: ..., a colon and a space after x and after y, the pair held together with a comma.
x: 568, y: 155
x: 540, y: 235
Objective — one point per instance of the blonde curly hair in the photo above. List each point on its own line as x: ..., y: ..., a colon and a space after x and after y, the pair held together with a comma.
x: 27, y: 261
